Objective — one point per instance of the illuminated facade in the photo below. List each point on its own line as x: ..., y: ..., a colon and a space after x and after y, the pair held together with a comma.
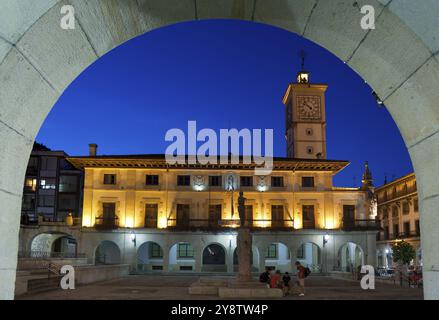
x: 143, y: 211
x: 398, y: 211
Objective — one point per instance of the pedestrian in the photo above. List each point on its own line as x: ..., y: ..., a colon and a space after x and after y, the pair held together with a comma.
x: 302, y: 273
x: 276, y: 281
x: 286, y: 282
x: 265, y: 277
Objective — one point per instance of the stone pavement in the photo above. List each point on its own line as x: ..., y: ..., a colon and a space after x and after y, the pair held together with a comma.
x: 146, y: 287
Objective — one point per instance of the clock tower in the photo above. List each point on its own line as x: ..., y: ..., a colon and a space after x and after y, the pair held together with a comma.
x: 305, y: 119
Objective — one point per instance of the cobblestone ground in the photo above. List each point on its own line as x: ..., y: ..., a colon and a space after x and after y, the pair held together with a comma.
x: 176, y: 288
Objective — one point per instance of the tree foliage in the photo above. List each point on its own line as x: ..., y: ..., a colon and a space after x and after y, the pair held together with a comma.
x: 403, y: 252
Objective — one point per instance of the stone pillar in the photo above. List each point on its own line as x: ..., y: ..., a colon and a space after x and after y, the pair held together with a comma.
x: 244, y: 243
x: 198, y: 256
x: 166, y: 259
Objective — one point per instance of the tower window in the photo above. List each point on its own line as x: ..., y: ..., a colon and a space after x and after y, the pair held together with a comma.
x: 109, y: 179
x: 309, y: 132
x: 309, y: 150
x: 308, y: 182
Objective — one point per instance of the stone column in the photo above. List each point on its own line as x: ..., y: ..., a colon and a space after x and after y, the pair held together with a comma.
x: 244, y: 243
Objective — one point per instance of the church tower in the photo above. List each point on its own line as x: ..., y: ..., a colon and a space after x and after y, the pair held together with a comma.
x: 305, y: 119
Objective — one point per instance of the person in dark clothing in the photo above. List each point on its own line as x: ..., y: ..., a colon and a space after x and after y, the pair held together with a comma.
x: 286, y: 280
x: 265, y: 277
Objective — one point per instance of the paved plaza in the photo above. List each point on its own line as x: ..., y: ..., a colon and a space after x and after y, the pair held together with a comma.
x: 146, y: 287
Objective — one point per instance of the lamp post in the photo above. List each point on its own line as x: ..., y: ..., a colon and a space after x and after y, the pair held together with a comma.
x: 325, y: 241
x: 133, y: 237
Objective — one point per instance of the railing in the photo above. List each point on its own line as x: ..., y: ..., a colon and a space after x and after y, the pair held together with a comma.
x: 229, y: 223
x: 360, y: 224
x: 47, y: 255
x: 106, y: 223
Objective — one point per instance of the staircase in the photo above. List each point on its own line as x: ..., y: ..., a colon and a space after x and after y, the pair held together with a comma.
x: 46, y: 283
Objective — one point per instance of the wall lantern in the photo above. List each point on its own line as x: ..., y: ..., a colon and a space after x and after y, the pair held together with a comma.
x: 325, y: 239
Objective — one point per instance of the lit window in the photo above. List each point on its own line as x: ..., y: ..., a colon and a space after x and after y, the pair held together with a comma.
x: 109, y: 179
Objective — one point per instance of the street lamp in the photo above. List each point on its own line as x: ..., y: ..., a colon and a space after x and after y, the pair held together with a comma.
x: 325, y: 239
x: 133, y: 237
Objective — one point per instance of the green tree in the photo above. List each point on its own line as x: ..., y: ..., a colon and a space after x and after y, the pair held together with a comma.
x: 403, y: 252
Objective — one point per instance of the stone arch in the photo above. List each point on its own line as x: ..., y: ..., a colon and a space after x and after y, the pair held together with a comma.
x: 37, y: 62
x: 107, y: 252
x: 53, y: 245
x: 150, y: 256
x: 182, y: 258
x: 214, y: 258
x: 254, y: 257
x: 277, y: 256
x: 350, y: 256
x: 309, y: 254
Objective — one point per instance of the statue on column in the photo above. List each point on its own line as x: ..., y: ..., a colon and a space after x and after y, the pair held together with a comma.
x: 241, y: 208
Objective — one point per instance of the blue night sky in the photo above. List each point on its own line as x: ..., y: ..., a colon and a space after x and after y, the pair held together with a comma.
x: 223, y: 74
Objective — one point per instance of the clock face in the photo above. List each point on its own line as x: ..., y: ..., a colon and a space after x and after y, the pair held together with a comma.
x: 309, y: 107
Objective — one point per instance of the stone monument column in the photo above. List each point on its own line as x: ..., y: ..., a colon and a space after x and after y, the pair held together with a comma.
x: 244, y: 244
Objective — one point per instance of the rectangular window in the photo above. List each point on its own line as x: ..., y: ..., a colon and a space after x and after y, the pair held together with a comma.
x: 184, y: 180
x: 109, y: 179
x: 109, y: 210
x: 348, y: 216
x: 405, y: 208
x: 271, y: 251
x: 67, y: 202
x: 151, y: 211
x: 30, y: 185
x: 308, y: 217
x: 385, y: 213
x: 215, y: 181
x: 47, y: 184
x: 416, y: 205
x: 152, y: 180
x: 185, y: 250
x: 308, y: 182
x: 246, y: 181
x: 214, y: 215
x: 277, y: 215
x: 407, y: 229
x: 386, y: 233
x: 301, y: 252
x: 68, y: 183
x: 395, y: 212
x: 155, y: 251
x: 48, y: 163
x: 183, y: 219
x: 395, y: 230
x: 277, y: 182
x: 28, y: 202
x: 417, y: 228
x: 46, y: 201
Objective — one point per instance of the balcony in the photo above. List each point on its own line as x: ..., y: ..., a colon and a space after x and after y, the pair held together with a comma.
x: 106, y: 223
x: 209, y: 224
x: 360, y: 225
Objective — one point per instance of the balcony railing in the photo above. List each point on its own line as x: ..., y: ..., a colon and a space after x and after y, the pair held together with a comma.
x: 360, y: 224
x: 106, y: 223
x: 229, y: 223
x: 36, y: 254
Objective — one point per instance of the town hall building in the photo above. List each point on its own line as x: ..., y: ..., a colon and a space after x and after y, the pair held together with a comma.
x: 160, y: 217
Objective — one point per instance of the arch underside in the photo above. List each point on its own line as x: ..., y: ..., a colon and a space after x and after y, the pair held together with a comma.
x: 399, y: 60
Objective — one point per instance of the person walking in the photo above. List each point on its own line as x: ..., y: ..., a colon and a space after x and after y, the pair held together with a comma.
x: 301, y: 275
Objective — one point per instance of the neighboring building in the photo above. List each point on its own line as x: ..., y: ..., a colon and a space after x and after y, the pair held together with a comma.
x: 52, y: 187
x: 398, y: 211
x: 141, y: 210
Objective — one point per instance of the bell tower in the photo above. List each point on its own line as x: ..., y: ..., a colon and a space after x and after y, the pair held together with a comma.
x: 305, y: 118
